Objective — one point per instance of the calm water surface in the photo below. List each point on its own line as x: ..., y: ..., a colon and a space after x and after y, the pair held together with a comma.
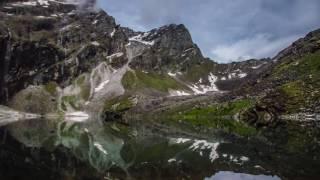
x: 145, y: 150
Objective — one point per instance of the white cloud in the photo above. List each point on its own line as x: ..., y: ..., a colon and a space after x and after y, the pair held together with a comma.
x: 258, y: 46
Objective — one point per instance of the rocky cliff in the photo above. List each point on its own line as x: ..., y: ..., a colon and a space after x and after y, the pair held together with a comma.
x: 53, y: 41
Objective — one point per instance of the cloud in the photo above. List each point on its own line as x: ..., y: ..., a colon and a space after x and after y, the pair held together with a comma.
x: 217, y: 26
x: 258, y: 46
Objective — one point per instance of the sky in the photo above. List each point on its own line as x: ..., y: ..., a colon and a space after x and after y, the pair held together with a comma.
x: 225, y: 30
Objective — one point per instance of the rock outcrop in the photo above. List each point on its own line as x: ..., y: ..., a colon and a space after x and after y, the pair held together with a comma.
x: 54, y: 41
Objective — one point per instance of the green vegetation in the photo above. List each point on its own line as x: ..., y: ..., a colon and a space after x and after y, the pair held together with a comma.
x: 141, y: 80
x: 197, y: 71
x: 304, y: 90
x: 51, y: 88
x: 225, y: 109
x: 85, y: 92
x: 298, y: 139
x: 69, y: 100
x: 81, y: 79
x: 129, y: 80
x: 217, y: 116
x: 119, y: 104
x: 310, y: 64
x: 304, y: 67
x: 296, y: 95
x: 293, y: 89
x: 84, y: 85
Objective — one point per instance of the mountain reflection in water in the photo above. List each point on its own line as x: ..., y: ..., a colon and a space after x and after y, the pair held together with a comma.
x: 145, y: 150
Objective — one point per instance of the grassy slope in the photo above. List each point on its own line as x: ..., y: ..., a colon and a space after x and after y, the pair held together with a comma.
x: 218, y: 116
x: 303, y: 91
x: 198, y: 71
x: 119, y: 104
x: 140, y: 80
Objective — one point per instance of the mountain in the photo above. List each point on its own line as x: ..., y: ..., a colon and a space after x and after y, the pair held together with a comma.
x: 291, y: 85
x: 74, y: 57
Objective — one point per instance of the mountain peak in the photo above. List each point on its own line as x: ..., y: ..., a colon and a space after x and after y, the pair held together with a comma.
x: 82, y: 4
x: 168, y: 46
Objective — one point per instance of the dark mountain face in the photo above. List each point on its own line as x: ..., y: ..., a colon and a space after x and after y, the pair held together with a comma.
x: 170, y: 48
x: 53, y: 44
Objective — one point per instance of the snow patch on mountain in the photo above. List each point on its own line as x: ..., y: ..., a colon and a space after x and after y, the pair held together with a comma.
x: 179, y: 140
x: 242, y: 75
x: 174, y: 74
x: 115, y: 55
x: 95, y: 22
x: 140, y: 38
x: 95, y: 43
x: 200, y: 88
x: 113, y: 32
x: 101, y: 85
x: 257, y: 67
x: 178, y: 93
x: 238, y: 73
x: 100, y: 77
x: 45, y: 3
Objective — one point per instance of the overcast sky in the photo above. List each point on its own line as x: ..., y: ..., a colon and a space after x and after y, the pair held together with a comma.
x: 225, y: 30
